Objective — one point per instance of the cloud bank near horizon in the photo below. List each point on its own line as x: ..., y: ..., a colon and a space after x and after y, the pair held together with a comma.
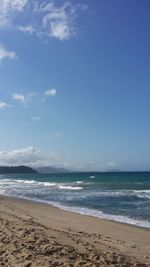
x: 27, y: 156
x: 34, y: 158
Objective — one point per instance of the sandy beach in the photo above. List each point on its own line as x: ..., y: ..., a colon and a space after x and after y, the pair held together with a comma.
x: 34, y: 234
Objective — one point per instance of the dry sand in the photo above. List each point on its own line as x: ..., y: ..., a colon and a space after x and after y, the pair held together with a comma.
x: 33, y: 234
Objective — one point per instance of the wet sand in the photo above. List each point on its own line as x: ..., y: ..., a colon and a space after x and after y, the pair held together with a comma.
x: 34, y: 234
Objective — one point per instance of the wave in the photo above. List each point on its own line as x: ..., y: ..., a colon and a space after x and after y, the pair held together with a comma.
x: 97, y: 214
x: 47, y: 184
x: 142, y: 193
x: 70, y: 187
x: 2, y: 191
x: 92, y: 176
x: 29, y: 182
x: 125, y: 193
x: 94, y: 213
x: 6, y: 182
x: 25, y: 182
x: 29, y: 189
x: 101, y: 215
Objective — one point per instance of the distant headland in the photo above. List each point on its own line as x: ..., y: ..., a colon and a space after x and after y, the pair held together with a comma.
x: 16, y: 169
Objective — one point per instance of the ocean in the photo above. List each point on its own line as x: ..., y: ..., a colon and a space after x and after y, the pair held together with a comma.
x: 120, y: 196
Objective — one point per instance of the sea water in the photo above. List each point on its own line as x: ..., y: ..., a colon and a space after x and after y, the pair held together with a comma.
x: 120, y: 196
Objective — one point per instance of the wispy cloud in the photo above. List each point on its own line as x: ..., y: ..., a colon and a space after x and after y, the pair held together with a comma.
x: 22, y: 98
x: 50, y: 92
x: 8, y: 8
x: 45, y: 18
x: 26, y: 99
x: 27, y: 29
x: 3, y: 105
x: 4, y: 53
x: 6, y: 5
x: 59, y: 22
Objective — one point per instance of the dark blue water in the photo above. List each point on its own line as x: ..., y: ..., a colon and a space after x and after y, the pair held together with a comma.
x: 117, y: 196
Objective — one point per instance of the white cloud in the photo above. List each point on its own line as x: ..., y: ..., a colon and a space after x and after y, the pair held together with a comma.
x: 27, y: 156
x: 60, y: 30
x: 3, y: 105
x: 22, y: 98
x: 6, y: 54
x: 12, y: 4
x: 33, y: 157
x: 19, y: 156
x: 27, y: 29
x: 59, y: 22
x: 7, y: 9
x: 51, y: 92
x: 19, y: 97
x: 45, y: 18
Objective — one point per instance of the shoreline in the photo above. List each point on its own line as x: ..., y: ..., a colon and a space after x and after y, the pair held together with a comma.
x: 91, y: 240
x: 46, y: 204
x: 105, y: 217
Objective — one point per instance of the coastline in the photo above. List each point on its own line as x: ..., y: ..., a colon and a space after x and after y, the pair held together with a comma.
x: 130, y: 199
x: 36, y: 234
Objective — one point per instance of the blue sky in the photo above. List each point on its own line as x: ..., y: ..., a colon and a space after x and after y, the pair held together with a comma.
x: 75, y: 84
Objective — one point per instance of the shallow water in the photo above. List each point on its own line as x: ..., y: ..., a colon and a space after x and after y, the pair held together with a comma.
x: 123, y: 197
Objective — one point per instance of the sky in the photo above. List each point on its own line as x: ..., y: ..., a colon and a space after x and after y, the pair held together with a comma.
x: 75, y: 84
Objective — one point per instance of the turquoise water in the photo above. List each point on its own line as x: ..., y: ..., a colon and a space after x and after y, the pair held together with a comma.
x: 123, y: 197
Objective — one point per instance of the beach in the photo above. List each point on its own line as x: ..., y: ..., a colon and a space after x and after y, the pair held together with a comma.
x: 35, y: 234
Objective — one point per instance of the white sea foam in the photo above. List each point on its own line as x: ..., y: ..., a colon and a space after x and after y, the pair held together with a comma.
x: 6, y: 181
x: 30, y: 182
x: 142, y: 193
x: 92, y: 176
x: 101, y: 215
x: 92, y: 212
x: 2, y: 191
x: 118, y: 193
x: 48, y: 184
x: 36, y: 182
x: 19, y: 187
x: 71, y: 186
x: 68, y: 187
x: 21, y: 182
